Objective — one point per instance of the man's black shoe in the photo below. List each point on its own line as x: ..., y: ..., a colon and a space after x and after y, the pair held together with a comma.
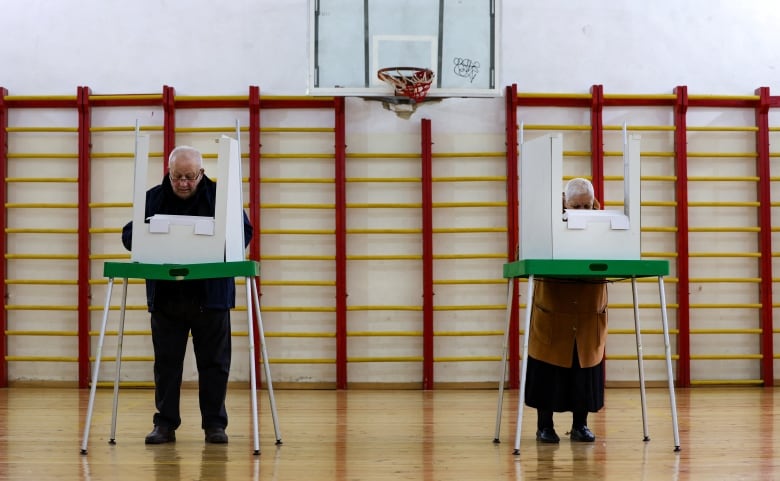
x: 582, y: 434
x: 547, y: 435
x: 216, y: 435
x: 161, y: 435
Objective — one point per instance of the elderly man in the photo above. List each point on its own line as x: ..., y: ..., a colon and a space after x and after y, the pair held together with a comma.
x: 566, y: 342
x: 178, y: 308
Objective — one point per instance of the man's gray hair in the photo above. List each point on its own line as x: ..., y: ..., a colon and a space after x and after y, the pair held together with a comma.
x: 579, y: 186
x: 185, y: 151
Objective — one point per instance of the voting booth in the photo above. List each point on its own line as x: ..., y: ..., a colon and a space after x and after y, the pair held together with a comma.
x: 180, y: 248
x: 546, y: 232
x: 578, y: 244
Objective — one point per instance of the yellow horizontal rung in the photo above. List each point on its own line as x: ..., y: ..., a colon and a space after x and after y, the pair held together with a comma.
x: 297, y: 206
x: 384, y: 179
x: 301, y: 361
x: 734, y: 382
x: 72, y: 180
x: 555, y: 127
x: 466, y: 358
x: 713, y: 178
x: 724, y: 279
x: 297, y: 309
x: 460, y: 155
x: 716, y: 357
x: 297, y: 231
x: 467, y: 230
x: 113, y: 155
x: 384, y: 205
x: 733, y: 128
x: 726, y: 331
x: 43, y: 282
x: 726, y: 306
x: 126, y: 128
x: 125, y: 332
x: 658, y: 229
x: 116, y: 308
x: 384, y: 231
x: 633, y: 357
x: 468, y: 204
x: 724, y: 229
x: 467, y: 333
x: 468, y: 281
x: 301, y: 334
x: 41, y: 333
x: 40, y: 155
x: 659, y: 203
x: 383, y: 155
x: 12, y: 230
x: 724, y: 254
x: 295, y: 180
x: 32, y: 307
x: 480, y: 307
x: 469, y: 256
x: 668, y: 255
x: 43, y: 256
x: 642, y: 128
x: 386, y: 359
x: 103, y: 281
x: 40, y: 205
x: 302, y: 155
x: 296, y: 258
x: 407, y: 257
x: 384, y: 308
x: 643, y: 331
x: 724, y: 204
x: 108, y: 256
x: 40, y: 129
x: 42, y: 358
x: 385, y: 334
x: 293, y: 130
x: 641, y: 306
x: 124, y: 358
x: 105, y: 230
x: 103, y: 205
x: 466, y: 178
x: 264, y: 282
x: 126, y: 384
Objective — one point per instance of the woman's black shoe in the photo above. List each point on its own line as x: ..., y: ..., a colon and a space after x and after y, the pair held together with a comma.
x: 547, y: 435
x: 582, y: 434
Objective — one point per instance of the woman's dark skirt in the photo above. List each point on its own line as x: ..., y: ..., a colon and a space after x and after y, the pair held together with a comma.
x: 561, y: 389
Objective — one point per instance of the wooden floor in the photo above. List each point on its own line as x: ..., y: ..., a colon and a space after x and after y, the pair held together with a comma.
x: 725, y: 433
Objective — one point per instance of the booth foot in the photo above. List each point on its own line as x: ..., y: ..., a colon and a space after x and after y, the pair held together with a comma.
x: 256, y: 452
x: 278, y: 442
x: 496, y: 441
x: 84, y: 451
x: 677, y: 449
x: 516, y: 452
x: 646, y: 439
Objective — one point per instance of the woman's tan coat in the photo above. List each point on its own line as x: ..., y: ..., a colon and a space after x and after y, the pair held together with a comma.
x: 565, y: 311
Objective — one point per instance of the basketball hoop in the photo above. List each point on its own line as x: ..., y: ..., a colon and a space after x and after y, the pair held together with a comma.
x: 411, y: 82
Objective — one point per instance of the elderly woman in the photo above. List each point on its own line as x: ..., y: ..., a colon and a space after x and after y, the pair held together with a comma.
x: 566, y: 342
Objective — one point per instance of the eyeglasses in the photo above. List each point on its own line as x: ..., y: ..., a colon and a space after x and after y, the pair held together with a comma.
x: 184, y: 178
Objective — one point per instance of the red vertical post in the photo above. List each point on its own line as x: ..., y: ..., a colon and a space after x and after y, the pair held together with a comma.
x: 512, y: 231
x: 254, y: 199
x: 597, y: 140
x: 169, y: 123
x: 427, y: 251
x: 683, y: 272
x: 340, y: 168
x: 763, y: 169
x: 84, y: 295
x: 3, y: 237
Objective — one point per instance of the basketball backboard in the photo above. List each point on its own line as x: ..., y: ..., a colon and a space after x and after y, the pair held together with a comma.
x: 350, y: 40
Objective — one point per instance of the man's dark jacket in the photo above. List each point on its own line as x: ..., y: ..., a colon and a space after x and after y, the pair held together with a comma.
x: 210, y: 293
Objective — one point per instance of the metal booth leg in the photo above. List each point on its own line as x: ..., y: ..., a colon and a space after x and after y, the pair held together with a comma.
x: 640, y: 358
x: 524, y: 368
x: 668, y: 352
x: 504, y: 351
x: 266, y: 365
x: 119, y: 338
x: 96, y: 368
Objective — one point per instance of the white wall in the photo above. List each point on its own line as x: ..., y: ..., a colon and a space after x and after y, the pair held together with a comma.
x: 203, y: 47
x: 713, y: 46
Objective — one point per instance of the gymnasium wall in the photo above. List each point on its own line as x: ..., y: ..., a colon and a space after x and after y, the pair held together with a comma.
x: 211, y: 56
